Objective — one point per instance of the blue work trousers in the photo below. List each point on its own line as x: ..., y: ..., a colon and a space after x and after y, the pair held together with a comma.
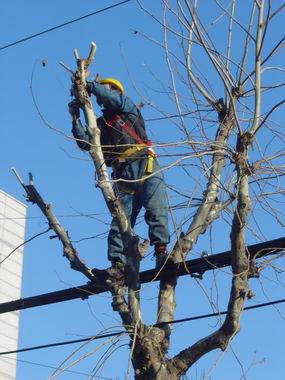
x: 149, y: 194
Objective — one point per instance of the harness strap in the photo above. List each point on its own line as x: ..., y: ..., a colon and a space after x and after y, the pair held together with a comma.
x: 134, y: 148
x: 128, y: 129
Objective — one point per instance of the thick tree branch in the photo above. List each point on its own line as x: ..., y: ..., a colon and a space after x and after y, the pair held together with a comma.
x: 201, y: 219
x: 206, y: 213
x: 129, y: 238
x: 68, y: 249
x: 240, y: 268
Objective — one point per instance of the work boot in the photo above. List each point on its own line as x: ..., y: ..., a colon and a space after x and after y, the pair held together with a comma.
x: 161, y: 255
x: 116, y: 273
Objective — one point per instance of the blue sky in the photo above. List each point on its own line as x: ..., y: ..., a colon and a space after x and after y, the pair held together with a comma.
x: 65, y: 177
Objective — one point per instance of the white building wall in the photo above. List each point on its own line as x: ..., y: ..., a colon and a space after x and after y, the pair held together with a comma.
x: 12, y: 228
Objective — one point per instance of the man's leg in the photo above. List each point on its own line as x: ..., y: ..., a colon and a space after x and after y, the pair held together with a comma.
x: 155, y: 203
x: 115, y: 243
x: 116, y: 273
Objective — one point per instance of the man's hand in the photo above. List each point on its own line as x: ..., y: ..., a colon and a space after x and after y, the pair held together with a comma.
x: 74, y: 110
x: 89, y: 85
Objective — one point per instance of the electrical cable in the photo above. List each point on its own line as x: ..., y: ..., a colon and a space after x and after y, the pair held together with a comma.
x: 62, y: 25
x: 52, y: 367
x: 57, y: 216
x: 188, y: 319
x: 65, y: 343
x: 25, y: 242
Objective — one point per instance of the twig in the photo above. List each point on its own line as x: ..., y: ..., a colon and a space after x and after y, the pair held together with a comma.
x: 257, y: 89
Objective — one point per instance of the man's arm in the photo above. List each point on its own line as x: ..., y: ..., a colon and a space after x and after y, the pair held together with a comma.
x: 112, y: 100
x: 78, y: 131
x: 81, y: 135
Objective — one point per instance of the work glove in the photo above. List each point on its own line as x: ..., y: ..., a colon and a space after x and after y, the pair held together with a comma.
x: 89, y: 86
x: 74, y: 110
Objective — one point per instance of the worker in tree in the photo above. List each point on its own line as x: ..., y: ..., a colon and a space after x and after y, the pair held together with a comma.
x: 128, y: 151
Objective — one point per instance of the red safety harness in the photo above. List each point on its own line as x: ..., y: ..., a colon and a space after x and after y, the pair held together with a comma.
x: 132, y: 150
x: 126, y: 128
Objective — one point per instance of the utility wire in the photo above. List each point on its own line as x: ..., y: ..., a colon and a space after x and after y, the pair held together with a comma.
x: 188, y: 319
x: 64, y: 343
x: 94, y: 215
x: 23, y: 243
x: 52, y: 367
x: 89, y: 215
x: 62, y: 25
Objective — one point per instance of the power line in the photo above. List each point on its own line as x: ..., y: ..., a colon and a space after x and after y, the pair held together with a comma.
x: 88, y: 215
x: 53, y: 367
x: 62, y: 25
x: 25, y: 242
x: 187, y: 319
x: 194, y: 267
x: 65, y: 343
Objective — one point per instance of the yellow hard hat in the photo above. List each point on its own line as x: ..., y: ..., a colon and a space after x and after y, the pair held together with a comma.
x: 113, y: 82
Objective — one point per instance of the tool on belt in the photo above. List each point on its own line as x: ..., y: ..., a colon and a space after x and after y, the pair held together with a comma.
x: 136, y: 148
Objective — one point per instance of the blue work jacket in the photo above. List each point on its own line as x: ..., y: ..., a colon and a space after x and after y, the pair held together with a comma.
x: 114, y: 139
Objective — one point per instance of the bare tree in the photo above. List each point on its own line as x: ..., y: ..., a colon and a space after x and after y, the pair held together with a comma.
x: 225, y: 102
